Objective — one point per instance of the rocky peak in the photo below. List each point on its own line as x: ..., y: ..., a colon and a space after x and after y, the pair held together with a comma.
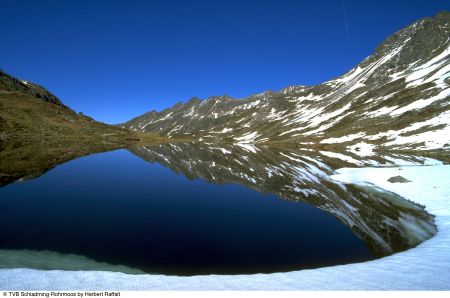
x: 10, y: 83
x: 417, y: 42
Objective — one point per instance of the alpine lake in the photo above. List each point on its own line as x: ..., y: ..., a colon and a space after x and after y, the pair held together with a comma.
x: 194, y: 209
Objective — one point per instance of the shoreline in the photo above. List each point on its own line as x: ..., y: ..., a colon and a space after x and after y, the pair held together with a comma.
x: 424, y: 267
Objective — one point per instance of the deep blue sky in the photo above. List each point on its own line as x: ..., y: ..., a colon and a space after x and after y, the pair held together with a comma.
x: 114, y: 60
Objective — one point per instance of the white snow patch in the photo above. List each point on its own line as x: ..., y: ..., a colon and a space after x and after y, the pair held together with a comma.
x: 226, y: 130
x: 381, y: 112
x: 340, y: 156
x: 274, y: 115
x: 248, y: 137
x: 432, y: 70
x: 435, y: 139
x: 249, y: 105
x: 323, y: 117
x: 248, y: 147
x: 224, y: 151
x: 352, y: 74
x: 327, y: 125
x: 362, y: 149
x: 355, y: 86
x: 421, y: 103
x: 343, y: 138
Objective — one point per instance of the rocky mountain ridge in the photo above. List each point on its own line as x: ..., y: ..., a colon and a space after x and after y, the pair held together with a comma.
x: 12, y: 84
x: 395, y: 99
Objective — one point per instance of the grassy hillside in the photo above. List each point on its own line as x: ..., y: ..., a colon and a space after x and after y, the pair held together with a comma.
x: 26, y: 119
x: 38, y: 132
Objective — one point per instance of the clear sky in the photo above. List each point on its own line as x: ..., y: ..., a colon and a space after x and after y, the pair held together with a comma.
x: 115, y: 60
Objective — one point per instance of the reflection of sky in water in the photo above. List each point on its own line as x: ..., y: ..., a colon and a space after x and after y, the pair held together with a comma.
x: 118, y: 209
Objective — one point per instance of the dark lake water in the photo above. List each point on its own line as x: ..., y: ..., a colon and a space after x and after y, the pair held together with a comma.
x: 187, y: 210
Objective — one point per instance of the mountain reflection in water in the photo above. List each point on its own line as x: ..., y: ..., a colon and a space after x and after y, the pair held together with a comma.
x: 127, y: 213
x: 386, y: 222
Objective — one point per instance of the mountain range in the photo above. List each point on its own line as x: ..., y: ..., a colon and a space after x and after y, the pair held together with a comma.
x: 395, y: 99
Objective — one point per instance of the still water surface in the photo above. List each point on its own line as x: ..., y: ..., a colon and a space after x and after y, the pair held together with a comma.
x: 122, y: 209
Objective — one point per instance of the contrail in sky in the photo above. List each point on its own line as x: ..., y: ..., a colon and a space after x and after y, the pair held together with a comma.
x: 345, y: 20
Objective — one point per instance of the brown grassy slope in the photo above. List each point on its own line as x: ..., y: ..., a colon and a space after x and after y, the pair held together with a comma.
x: 36, y: 135
x: 25, y: 119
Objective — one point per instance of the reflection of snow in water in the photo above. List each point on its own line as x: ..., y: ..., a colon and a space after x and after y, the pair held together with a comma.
x: 423, y: 267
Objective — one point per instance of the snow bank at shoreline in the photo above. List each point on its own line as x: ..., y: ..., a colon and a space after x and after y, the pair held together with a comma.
x: 425, y: 267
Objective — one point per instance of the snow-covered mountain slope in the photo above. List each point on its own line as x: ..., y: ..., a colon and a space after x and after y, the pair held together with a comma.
x: 397, y: 98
